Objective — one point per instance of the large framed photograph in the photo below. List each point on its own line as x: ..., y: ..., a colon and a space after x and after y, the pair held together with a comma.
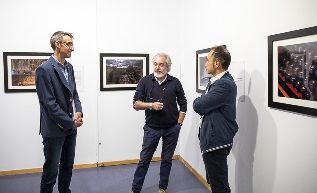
x: 292, y: 71
x: 202, y: 77
x: 19, y: 70
x: 120, y: 71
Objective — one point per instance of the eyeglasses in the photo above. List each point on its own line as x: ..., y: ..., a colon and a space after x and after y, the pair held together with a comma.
x: 157, y: 100
x: 68, y: 44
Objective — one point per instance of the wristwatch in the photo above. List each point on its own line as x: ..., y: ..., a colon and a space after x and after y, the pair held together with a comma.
x: 151, y: 106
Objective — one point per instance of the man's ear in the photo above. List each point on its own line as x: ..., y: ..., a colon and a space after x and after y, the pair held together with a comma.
x: 57, y: 44
x: 217, y: 63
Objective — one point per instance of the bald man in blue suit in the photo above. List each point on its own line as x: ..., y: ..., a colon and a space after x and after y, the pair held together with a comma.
x: 61, y: 113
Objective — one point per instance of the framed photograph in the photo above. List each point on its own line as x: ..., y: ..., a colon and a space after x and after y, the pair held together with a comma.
x: 292, y: 71
x: 202, y: 77
x: 120, y: 71
x: 19, y: 70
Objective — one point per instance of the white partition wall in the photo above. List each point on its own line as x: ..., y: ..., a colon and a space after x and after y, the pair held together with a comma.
x: 273, y: 150
x: 130, y: 27
x: 27, y: 27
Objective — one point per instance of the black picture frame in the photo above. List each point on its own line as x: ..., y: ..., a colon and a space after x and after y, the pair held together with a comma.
x: 122, y: 71
x: 292, y: 71
x: 19, y: 70
x: 201, y: 75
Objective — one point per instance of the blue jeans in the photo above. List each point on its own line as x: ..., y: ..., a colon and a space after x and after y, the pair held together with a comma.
x: 59, y: 156
x: 217, y: 170
x: 151, y: 139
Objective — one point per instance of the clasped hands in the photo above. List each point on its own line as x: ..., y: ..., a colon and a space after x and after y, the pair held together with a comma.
x: 78, y: 120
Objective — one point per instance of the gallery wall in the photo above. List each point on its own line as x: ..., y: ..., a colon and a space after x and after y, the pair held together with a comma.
x: 111, y: 125
x: 27, y: 27
x: 132, y: 27
x: 274, y: 149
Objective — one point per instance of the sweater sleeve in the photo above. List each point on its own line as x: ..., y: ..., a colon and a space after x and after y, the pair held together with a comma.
x: 181, y: 98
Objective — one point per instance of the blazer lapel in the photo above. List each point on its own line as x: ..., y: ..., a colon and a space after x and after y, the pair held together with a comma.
x: 70, y: 78
x: 60, y: 73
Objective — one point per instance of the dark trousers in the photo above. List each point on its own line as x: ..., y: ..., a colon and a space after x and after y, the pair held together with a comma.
x: 217, y: 170
x: 151, y: 139
x: 59, y: 156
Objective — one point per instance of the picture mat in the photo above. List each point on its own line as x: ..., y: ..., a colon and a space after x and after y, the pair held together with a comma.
x: 291, y: 101
x: 105, y: 58
x: 9, y: 58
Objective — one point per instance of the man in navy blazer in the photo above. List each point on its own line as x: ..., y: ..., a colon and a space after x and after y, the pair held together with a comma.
x: 61, y: 113
x: 218, y: 125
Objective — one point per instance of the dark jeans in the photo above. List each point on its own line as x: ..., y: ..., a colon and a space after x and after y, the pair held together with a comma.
x: 59, y: 156
x: 151, y: 139
x: 217, y: 170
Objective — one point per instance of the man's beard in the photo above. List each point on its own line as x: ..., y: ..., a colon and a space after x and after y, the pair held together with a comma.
x: 160, y: 75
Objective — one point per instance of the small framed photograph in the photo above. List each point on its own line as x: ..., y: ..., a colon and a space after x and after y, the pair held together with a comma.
x: 19, y: 70
x: 202, y: 77
x: 121, y: 71
x: 292, y: 71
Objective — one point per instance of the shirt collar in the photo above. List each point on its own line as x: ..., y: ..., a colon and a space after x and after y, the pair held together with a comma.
x: 213, y: 79
x: 60, y: 64
x: 166, y: 78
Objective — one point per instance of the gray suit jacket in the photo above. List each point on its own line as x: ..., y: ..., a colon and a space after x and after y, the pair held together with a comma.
x: 56, y: 97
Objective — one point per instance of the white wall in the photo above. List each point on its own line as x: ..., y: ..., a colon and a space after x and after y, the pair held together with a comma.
x: 132, y: 27
x: 274, y: 150
x: 27, y: 27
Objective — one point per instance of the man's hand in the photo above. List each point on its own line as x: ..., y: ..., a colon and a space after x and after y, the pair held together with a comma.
x: 78, y: 119
x: 157, y: 106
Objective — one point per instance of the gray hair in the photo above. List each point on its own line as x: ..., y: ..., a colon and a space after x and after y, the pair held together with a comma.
x: 58, y: 37
x: 168, y: 60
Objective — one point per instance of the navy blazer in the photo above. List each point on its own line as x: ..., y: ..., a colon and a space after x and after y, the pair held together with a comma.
x: 218, y: 106
x: 56, y: 97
